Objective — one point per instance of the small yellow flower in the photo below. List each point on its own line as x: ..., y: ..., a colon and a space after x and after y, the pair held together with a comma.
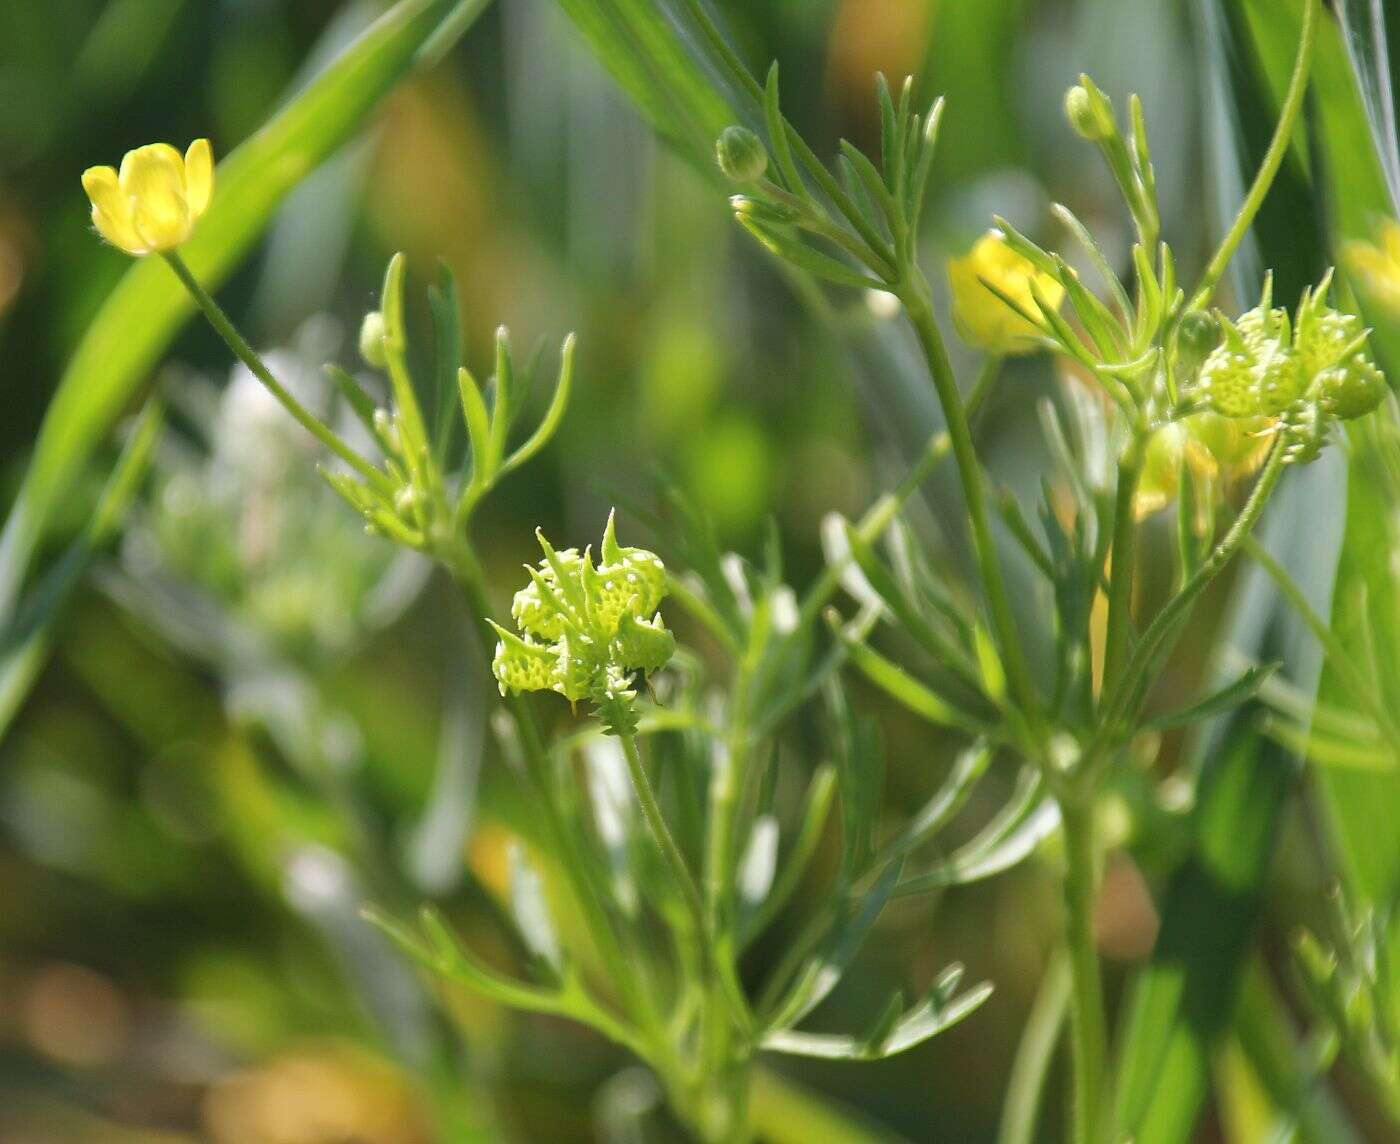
x: 1377, y: 265
x: 983, y: 319
x: 1219, y: 450
x: 155, y: 200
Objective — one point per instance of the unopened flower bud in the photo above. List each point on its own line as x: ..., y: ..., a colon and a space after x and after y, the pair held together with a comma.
x: 1090, y: 113
x: 1198, y: 334
x: 372, y: 340
x: 740, y: 154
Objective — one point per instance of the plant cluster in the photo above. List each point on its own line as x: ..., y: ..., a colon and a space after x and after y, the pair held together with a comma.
x: 1164, y: 398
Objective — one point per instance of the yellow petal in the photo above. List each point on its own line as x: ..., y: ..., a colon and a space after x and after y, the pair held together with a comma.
x: 199, y: 177
x: 982, y: 318
x: 154, y: 161
x: 153, y: 180
x: 110, y: 213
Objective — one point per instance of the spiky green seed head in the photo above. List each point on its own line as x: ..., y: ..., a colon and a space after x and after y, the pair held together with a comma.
x: 1324, y: 337
x: 644, y: 645
x: 740, y: 154
x: 522, y: 665
x: 1263, y: 326
x: 1350, y: 390
x: 587, y: 630
x: 1226, y: 382
x: 541, y: 608
x: 1278, y: 380
x: 580, y: 670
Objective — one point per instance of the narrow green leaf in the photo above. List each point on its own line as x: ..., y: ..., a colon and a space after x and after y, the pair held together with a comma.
x: 777, y: 136
x: 950, y: 797
x: 360, y: 402
x: 447, y: 355
x: 804, y: 257
x: 821, y: 973
x: 913, y: 1029
x: 919, y: 698
x: 478, y: 423
x: 558, y: 404
x: 1240, y: 690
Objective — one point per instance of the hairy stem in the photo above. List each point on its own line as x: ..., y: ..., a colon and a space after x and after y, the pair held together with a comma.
x: 662, y: 836
x: 1273, y: 159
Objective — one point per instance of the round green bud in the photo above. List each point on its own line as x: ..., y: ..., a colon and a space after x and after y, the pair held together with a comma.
x: 1197, y: 335
x: 1089, y: 113
x: 372, y: 340
x: 1350, y: 390
x: 740, y: 154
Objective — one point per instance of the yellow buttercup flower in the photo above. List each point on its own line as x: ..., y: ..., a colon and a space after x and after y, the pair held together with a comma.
x: 983, y: 319
x: 1376, y: 265
x: 153, y: 203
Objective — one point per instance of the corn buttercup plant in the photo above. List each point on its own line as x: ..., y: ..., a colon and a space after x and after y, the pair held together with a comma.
x: 660, y: 908
x: 1171, y: 399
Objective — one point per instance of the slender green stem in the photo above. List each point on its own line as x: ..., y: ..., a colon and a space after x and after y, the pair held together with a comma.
x: 1362, y: 690
x: 1165, y: 622
x: 726, y: 781
x: 245, y: 353
x: 1020, y: 1110
x: 574, y: 864
x: 1273, y: 159
x: 1120, y: 585
x: 662, y: 836
x: 1088, y: 1025
x: 974, y: 493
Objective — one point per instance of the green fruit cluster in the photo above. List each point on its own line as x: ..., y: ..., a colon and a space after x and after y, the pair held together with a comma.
x: 586, y: 630
x: 1306, y: 372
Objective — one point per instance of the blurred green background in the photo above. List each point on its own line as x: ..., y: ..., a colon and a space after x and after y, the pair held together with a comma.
x: 254, y: 718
